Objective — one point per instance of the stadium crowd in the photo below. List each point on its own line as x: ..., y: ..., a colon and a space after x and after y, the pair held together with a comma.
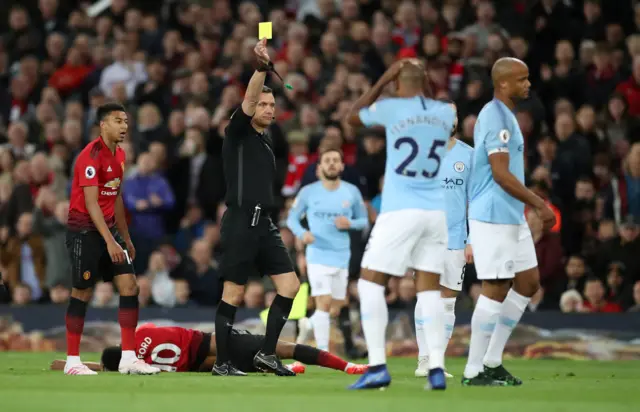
x: 180, y: 68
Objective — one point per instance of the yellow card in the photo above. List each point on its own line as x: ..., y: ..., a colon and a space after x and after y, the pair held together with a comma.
x: 264, y: 30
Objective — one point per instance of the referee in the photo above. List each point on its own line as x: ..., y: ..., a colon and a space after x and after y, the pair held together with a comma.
x: 249, y: 239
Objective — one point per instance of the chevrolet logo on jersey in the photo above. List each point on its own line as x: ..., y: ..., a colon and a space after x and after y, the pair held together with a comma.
x: 113, y: 184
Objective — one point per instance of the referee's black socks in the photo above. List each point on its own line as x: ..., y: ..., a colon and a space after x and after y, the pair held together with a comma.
x: 225, y: 316
x: 278, y: 316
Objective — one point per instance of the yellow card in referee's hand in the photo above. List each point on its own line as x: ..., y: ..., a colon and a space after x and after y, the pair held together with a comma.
x: 264, y: 30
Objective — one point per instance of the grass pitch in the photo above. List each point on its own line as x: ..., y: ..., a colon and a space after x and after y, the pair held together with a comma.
x: 27, y: 385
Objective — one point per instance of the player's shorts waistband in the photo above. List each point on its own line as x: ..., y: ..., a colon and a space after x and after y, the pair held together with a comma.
x: 202, y: 353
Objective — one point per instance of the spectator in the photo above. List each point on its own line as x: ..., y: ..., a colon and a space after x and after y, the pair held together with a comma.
x: 148, y: 197
x: 50, y: 221
x: 103, y: 296
x: 204, y: 282
x: 595, y: 299
x: 24, y: 258
x: 21, y: 295
x: 59, y: 294
x: 163, y: 289
x: 636, y: 298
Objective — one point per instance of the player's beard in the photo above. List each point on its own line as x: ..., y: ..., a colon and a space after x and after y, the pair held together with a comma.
x: 331, y: 178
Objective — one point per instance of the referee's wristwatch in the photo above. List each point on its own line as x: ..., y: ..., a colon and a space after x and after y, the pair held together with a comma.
x: 265, y: 67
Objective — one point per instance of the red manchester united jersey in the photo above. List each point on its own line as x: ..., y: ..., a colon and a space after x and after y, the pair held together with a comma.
x: 171, y: 349
x: 96, y: 165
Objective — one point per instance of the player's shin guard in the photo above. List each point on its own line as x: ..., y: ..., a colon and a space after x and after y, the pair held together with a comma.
x: 510, y: 313
x: 433, y: 317
x: 278, y: 316
x: 420, y: 338
x: 483, y: 323
x: 321, y: 322
x: 375, y: 317
x: 128, y: 319
x: 449, y: 319
x: 225, y: 316
x: 313, y: 356
x: 74, y: 321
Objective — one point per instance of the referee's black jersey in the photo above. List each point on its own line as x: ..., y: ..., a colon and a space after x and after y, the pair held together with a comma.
x: 249, y: 163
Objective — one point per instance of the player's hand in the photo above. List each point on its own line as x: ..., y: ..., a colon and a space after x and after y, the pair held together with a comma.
x: 547, y: 216
x: 308, y: 238
x: 155, y: 200
x: 142, y: 205
x: 131, y: 250
x: 468, y: 254
x: 393, y: 71
x: 115, y: 252
x: 261, y: 52
x: 342, y: 223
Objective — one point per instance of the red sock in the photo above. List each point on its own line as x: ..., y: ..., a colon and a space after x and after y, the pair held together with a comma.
x: 128, y: 319
x: 329, y: 360
x: 74, y: 320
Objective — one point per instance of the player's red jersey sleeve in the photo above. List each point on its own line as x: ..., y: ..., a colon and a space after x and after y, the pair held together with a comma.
x: 172, y: 349
x: 87, y: 169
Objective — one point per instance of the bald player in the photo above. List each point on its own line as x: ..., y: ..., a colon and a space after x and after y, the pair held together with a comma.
x: 411, y: 230
x: 503, y: 249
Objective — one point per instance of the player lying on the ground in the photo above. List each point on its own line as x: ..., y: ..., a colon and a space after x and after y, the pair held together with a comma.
x: 176, y: 349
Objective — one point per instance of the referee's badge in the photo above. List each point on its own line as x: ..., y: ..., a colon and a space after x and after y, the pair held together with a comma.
x: 504, y: 136
x: 458, y: 167
x: 90, y: 172
x: 346, y: 204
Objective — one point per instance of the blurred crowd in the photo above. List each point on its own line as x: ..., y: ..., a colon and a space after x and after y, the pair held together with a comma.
x: 180, y: 68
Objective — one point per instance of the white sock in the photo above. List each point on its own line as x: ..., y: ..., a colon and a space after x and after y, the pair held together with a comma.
x: 128, y: 356
x: 423, y: 350
x: 375, y: 316
x: 512, y: 309
x: 73, y: 360
x: 321, y: 322
x: 449, y: 319
x: 433, y: 317
x: 483, y: 323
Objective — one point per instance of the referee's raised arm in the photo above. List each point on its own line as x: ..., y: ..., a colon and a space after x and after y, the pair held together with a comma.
x: 248, y: 237
x: 237, y: 127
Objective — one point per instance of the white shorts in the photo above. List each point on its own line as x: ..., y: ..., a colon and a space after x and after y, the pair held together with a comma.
x: 501, y: 251
x: 327, y: 280
x: 403, y: 239
x: 454, y: 264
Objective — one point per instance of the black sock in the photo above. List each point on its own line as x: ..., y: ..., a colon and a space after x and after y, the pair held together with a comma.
x: 225, y: 316
x: 278, y: 316
x: 306, y: 354
x: 344, y: 322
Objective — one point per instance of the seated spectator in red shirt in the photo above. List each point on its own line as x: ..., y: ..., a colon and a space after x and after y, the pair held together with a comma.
x: 70, y: 76
x: 631, y: 88
x: 595, y: 300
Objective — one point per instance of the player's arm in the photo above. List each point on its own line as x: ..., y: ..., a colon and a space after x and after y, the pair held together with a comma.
x: 97, y: 217
x: 360, y: 113
x: 58, y: 365
x: 252, y: 95
x: 498, y: 153
x: 123, y: 228
x: 298, y: 209
x: 360, y: 218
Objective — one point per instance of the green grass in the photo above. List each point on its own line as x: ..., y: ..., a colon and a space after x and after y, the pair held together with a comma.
x: 26, y: 385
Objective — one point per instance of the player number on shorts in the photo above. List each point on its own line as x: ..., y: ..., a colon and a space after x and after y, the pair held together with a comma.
x: 402, y: 168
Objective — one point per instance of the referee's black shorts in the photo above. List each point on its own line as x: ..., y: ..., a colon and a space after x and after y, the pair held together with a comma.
x: 250, y: 250
x: 90, y: 260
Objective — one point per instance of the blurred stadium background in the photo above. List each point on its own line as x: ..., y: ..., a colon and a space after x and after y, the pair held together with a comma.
x: 181, y: 67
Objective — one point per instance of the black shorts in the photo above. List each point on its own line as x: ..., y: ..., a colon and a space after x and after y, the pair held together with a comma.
x: 243, y: 347
x: 90, y: 260
x: 250, y: 250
